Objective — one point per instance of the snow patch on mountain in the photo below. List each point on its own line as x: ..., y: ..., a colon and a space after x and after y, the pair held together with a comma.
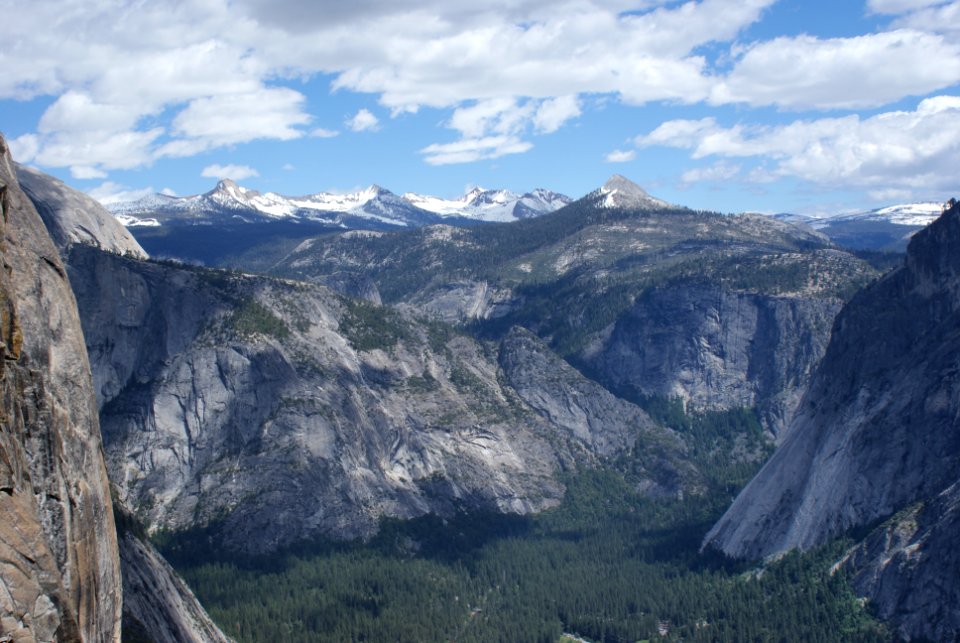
x: 491, y: 205
x: 918, y: 214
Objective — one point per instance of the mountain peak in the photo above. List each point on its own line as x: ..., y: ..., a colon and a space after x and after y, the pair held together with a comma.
x: 621, y: 192
x: 618, y: 182
x: 227, y: 192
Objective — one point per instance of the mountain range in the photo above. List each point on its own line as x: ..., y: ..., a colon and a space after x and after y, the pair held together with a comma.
x: 889, y: 228
x: 374, y: 206
x: 229, y: 204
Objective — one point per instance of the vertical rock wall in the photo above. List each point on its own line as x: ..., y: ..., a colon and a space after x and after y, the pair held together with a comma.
x: 59, y: 561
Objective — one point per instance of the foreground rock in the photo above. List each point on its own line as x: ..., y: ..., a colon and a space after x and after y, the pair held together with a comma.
x: 73, y: 217
x: 157, y: 605
x: 876, y: 433
x: 60, y: 559
x: 59, y: 564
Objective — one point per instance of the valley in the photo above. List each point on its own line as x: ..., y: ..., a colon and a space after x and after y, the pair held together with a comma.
x: 593, y: 321
x: 512, y: 431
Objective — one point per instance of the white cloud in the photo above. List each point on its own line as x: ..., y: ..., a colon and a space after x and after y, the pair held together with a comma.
x: 474, y: 149
x: 900, y: 6
x: 621, y: 156
x: 865, y: 71
x: 944, y: 18
x: 86, y: 172
x: 75, y: 111
x: 892, y: 150
x: 235, y: 172
x: 554, y: 113
x: 269, y: 112
x: 93, y: 150
x: 320, y: 132
x: 718, y: 172
x: 132, y: 82
x: 363, y: 121
x: 110, y: 192
x: 495, y: 116
x: 24, y: 148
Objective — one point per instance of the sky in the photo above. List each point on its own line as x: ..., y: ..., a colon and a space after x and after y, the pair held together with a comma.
x: 809, y: 106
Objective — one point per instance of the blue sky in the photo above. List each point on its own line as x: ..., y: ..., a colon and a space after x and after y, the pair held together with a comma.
x: 766, y: 105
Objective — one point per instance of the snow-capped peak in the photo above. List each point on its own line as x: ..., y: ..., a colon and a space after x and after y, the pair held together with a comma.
x: 621, y: 192
x: 491, y: 205
x: 373, y: 203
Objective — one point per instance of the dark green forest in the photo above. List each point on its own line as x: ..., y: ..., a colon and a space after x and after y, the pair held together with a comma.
x: 608, y: 564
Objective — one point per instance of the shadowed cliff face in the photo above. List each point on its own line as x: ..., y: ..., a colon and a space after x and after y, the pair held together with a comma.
x: 716, y: 348
x: 59, y: 565
x: 877, y: 431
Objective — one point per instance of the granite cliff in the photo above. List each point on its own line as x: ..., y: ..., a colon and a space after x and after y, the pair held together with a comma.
x: 73, y: 217
x: 276, y: 411
x: 876, y: 436
x: 61, y: 560
x: 59, y: 563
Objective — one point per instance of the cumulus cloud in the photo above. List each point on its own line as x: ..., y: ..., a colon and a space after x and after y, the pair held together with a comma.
x: 900, y: 6
x: 846, y: 73
x: 321, y: 132
x: 621, y: 156
x: 235, y: 172
x: 718, y: 172
x: 126, y: 69
x: 363, y: 121
x: 943, y: 18
x: 474, y: 149
x: 173, y: 79
x: 24, y: 148
x: 554, y: 113
x: 109, y: 192
x: 891, y: 150
x: 497, y: 116
x: 496, y: 126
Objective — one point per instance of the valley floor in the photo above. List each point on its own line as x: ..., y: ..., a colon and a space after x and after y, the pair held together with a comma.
x: 607, y: 565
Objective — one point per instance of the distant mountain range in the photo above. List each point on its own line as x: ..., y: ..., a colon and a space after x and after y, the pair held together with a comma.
x: 888, y: 228
x: 374, y: 206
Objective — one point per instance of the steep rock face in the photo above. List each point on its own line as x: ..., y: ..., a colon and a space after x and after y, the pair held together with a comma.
x: 717, y: 349
x: 73, y: 217
x: 603, y: 423
x: 909, y: 567
x: 59, y: 565
x: 876, y: 432
x: 157, y: 605
x: 282, y: 411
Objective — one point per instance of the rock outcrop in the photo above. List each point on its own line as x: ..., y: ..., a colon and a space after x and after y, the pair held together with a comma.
x: 909, y: 568
x: 59, y: 564
x: 157, y: 605
x: 877, y: 432
x: 717, y: 348
x: 73, y: 217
